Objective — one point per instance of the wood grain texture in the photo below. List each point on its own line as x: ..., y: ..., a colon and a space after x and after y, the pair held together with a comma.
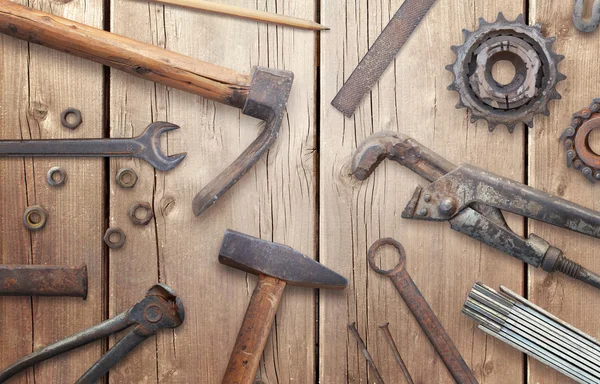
x: 37, y: 84
x: 570, y: 300
x: 275, y: 200
x: 136, y: 58
x: 411, y: 97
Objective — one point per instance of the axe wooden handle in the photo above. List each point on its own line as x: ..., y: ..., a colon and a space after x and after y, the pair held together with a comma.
x: 254, y: 331
x: 140, y: 59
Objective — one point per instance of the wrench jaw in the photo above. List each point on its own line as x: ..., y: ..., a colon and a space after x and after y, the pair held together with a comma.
x: 150, y: 151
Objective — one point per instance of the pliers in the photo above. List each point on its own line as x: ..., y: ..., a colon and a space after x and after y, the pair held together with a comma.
x: 470, y: 199
x: 161, y: 308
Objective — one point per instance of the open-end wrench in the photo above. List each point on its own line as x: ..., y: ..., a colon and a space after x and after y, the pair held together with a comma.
x: 146, y: 147
x: 422, y: 312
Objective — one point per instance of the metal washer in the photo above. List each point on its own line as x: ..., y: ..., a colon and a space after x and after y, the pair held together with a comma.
x: 71, y: 111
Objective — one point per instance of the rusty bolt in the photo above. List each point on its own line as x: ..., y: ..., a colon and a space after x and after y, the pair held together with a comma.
x: 447, y: 206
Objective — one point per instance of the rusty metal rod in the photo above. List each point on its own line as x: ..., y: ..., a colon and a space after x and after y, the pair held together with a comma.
x: 43, y: 280
x: 388, y: 336
x: 363, y: 348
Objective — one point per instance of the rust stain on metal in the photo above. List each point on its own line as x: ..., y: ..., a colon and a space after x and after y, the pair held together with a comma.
x: 41, y: 280
x: 424, y: 315
x: 575, y: 139
x: 533, y: 85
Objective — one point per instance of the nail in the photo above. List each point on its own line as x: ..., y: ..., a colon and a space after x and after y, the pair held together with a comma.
x: 363, y: 347
x: 397, y: 356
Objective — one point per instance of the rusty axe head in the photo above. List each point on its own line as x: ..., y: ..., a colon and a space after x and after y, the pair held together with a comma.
x: 267, y: 99
x: 258, y: 256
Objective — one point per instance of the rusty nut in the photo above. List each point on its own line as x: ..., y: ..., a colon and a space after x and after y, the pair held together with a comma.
x: 56, y: 176
x: 114, y: 244
x: 126, y: 178
x: 68, y: 112
x: 35, y: 218
x: 149, y: 214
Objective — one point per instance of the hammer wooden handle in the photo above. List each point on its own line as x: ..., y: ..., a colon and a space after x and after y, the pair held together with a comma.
x: 254, y: 331
x: 140, y: 59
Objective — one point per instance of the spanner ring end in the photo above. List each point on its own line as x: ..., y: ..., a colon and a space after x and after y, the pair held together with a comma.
x: 387, y: 241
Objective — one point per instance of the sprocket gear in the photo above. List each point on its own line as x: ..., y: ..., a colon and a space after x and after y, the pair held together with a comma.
x: 575, y: 139
x: 534, y: 83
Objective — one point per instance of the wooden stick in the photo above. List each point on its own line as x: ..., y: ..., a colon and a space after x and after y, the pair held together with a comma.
x: 246, y: 13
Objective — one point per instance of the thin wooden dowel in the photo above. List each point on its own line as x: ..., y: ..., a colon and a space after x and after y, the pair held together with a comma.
x: 247, y: 13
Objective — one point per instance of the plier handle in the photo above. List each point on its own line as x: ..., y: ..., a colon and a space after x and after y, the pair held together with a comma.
x: 471, y: 200
x: 161, y: 308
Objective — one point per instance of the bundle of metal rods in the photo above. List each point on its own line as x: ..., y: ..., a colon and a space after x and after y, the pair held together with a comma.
x: 527, y: 327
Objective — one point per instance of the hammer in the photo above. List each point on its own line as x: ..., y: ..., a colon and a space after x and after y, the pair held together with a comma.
x: 276, y: 265
x: 263, y: 95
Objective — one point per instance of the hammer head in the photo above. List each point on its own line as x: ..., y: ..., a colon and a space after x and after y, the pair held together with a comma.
x: 258, y: 256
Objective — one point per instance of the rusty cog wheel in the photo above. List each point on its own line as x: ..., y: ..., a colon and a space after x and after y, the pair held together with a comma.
x: 533, y: 85
x: 576, y: 141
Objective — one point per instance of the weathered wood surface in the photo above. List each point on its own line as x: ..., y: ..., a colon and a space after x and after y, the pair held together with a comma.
x: 292, y: 196
x: 570, y: 300
x: 275, y: 200
x: 411, y: 98
x: 37, y: 84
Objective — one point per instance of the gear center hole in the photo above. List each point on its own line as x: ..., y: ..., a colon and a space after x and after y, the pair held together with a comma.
x: 504, y: 72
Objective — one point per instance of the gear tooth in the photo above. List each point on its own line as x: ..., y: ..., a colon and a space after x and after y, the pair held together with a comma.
x: 546, y: 111
x: 555, y: 95
x: 538, y: 26
x: 491, y: 126
x: 551, y: 40
x: 455, y: 48
x: 559, y: 58
x: 460, y: 105
x: 501, y: 18
x: 510, y: 127
x: 529, y: 123
x: 520, y: 19
x: 475, y: 119
x: 451, y: 87
x: 560, y: 77
x: 449, y: 67
x: 466, y: 33
x: 482, y: 21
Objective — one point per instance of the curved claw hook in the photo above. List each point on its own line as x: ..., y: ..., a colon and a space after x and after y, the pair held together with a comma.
x: 150, y: 151
x: 592, y: 23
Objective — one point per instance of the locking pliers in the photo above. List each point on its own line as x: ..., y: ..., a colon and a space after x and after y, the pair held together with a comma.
x: 161, y: 308
x: 471, y: 199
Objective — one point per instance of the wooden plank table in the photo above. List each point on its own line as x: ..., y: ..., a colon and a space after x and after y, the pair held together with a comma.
x: 299, y: 194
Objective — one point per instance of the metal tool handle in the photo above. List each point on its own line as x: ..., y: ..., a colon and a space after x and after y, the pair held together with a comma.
x: 423, y: 313
x: 70, y: 147
x: 254, y: 331
x: 134, y: 57
x: 43, y: 280
x: 84, y: 337
x: 112, y: 357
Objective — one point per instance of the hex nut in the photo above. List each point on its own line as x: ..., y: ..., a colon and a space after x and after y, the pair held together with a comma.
x: 62, y: 176
x: 126, y: 178
x: 114, y: 245
x: 65, y: 114
x: 146, y: 219
x: 29, y: 218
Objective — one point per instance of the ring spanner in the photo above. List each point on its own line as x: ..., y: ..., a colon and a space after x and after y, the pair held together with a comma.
x: 146, y: 147
x: 161, y: 308
x: 471, y: 199
x: 422, y: 312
